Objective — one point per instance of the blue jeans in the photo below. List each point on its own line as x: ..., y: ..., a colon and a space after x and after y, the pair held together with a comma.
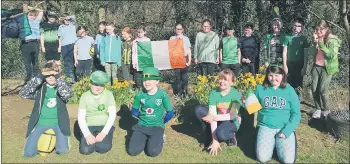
x: 225, y: 129
x: 268, y: 139
x: 31, y: 147
x: 68, y: 60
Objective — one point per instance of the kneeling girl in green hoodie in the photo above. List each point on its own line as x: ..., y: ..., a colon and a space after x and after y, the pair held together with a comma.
x: 278, y: 118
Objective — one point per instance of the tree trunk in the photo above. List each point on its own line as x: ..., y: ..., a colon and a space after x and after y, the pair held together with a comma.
x: 344, y: 15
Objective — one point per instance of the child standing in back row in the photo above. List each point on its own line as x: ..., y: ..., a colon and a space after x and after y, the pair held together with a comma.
x: 230, y: 54
x: 111, y: 51
x: 127, y: 44
x: 141, y: 32
x: 82, y: 57
x: 99, y: 37
x: 50, y: 43
x: 68, y: 36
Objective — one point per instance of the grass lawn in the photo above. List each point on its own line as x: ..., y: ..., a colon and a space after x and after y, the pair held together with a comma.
x: 181, y: 143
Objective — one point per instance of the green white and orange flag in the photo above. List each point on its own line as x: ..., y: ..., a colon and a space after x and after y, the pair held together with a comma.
x: 252, y: 103
x: 165, y: 54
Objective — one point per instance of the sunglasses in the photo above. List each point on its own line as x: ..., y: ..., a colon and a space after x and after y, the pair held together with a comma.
x: 47, y: 76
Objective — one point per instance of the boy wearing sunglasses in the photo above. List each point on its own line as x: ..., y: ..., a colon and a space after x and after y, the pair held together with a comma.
x: 96, y: 116
x: 152, y: 107
x: 51, y: 94
x: 297, y: 59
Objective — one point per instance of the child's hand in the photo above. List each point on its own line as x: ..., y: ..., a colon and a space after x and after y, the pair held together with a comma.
x: 239, y: 119
x: 100, y: 137
x: 248, y: 61
x: 43, y: 49
x: 59, y: 49
x: 76, y: 63
x: 209, y: 118
x: 90, y: 139
x: 281, y: 135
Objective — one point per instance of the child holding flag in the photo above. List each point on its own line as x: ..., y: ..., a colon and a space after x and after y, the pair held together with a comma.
x: 278, y: 118
x: 149, y: 107
x: 96, y: 115
x: 220, y: 121
x: 141, y: 32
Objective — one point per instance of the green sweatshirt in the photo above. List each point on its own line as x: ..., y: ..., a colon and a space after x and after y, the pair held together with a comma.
x: 281, y: 108
x: 331, y: 51
x: 206, y: 48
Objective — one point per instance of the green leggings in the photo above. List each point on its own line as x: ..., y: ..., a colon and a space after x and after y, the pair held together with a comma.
x: 320, y: 84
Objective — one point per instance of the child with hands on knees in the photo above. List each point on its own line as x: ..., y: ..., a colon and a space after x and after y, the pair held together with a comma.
x: 149, y: 107
x: 96, y: 116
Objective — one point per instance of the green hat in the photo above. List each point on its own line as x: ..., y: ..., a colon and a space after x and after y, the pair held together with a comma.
x: 99, y: 78
x: 150, y: 73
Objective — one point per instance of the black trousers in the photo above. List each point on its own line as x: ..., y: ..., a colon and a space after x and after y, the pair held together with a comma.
x: 137, y: 78
x: 248, y: 67
x: 294, y: 75
x: 83, y: 68
x: 100, y: 147
x: 30, y: 52
x: 51, y: 51
x: 149, y: 139
x: 207, y: 68
x: 235, y: 68
x: 181, y: 80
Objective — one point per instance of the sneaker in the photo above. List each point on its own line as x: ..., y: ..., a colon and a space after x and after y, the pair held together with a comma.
x: 325, y: 113
x: 232, y: 142
x: 316, y: 114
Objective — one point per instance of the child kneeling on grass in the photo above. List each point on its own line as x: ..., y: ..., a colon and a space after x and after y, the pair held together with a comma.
x: 96, y: 116
x: 220, y: 121
x: 149, y: 107
x: 278, y: 118
x: 51, y: 94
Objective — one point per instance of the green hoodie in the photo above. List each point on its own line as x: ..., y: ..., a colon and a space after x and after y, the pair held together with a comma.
x: 281, y: 108
x: 331, y: 51
x: 206, y: 48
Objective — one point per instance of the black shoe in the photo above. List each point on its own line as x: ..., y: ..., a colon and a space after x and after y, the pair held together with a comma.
x: 232, y: 142
x: 205, y: 145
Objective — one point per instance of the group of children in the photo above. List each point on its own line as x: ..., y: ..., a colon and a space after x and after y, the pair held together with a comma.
x: 96, y: 114
x: 220, y: 120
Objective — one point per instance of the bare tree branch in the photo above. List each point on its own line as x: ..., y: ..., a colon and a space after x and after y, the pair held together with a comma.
x: 331, y: 4
x: 326, y: 20
x: 56, y: 6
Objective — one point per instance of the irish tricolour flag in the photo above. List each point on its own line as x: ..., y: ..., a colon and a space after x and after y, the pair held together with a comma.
x: 165, y: 54
x: 252, y: 103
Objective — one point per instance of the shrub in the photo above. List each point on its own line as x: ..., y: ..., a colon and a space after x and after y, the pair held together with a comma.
x: 122, y: 91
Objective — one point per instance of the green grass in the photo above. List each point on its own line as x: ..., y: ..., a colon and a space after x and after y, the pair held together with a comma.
x: 181, y: 146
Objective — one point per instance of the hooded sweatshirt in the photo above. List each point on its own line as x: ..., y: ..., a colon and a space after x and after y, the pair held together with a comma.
x: 111, y: 49
x: 330, y: 50
x: 206, y: 48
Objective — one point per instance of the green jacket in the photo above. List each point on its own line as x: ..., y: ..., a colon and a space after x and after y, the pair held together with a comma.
x: 331, y: 51
x: 206, y: 48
